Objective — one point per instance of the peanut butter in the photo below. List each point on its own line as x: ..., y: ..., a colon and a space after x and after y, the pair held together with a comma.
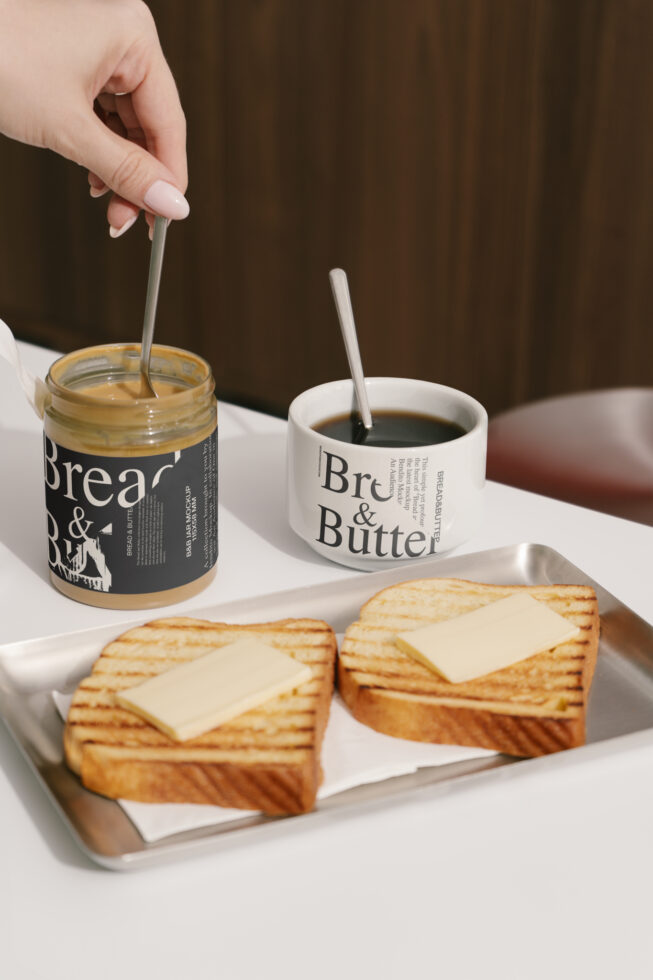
x: 131, y: 487
x: 128, y: 390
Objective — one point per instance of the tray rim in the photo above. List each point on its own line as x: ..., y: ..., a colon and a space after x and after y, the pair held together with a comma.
x: 451, y: 777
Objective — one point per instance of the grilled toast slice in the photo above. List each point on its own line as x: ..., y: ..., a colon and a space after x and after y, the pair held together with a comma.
x: 532, y: 708
x: 267, y: 758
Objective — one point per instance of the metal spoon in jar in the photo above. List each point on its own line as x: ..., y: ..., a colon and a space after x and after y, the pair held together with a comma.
x: 342, y: 299
x: 153, y: 281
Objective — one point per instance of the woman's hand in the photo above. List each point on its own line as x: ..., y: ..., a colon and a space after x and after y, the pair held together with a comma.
x: 88, y: 79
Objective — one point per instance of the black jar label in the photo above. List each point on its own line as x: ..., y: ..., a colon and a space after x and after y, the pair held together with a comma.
x: 132, y: 524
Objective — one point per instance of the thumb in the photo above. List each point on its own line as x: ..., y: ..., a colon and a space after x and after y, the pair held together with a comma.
x: 130, y: 171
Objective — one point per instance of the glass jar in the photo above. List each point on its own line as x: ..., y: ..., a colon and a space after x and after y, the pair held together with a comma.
x: 130, y: 481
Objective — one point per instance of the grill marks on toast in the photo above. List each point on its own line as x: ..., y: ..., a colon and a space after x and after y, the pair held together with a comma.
x: 531, y: 708
x: 377, y: 662
x: 266, y: 758
x: 419, y: 603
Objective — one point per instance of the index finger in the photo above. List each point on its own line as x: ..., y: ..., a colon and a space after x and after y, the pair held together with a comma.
x: 155, y: 101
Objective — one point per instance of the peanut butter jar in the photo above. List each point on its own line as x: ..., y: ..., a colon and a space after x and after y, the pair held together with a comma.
x: 130, y: 481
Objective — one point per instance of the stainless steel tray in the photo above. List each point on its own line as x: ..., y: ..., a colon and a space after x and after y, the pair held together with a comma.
x: 620, y: 708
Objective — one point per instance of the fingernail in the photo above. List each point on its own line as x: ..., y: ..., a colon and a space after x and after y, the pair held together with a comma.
x: 164, y: 199
x: 98, y: 191
x: 117, y: 232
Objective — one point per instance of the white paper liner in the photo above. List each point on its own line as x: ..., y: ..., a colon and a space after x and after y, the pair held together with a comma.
x: 352, y: 755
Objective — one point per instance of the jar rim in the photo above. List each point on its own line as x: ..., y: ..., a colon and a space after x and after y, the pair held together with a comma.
x: 131, y: 351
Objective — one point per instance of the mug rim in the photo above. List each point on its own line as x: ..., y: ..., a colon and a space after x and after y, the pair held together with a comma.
x: 479, y: 411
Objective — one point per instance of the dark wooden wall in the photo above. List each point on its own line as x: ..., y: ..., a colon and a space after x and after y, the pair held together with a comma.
x: 483, y: 170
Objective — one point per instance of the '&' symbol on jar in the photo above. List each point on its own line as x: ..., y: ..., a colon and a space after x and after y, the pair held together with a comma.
x: 75, y: 529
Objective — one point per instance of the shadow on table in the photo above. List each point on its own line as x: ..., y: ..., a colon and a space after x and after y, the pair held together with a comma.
x: 22, y: 499
x: 252, y: 486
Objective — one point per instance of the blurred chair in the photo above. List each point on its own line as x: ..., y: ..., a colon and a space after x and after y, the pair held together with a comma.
x: 593, y: 448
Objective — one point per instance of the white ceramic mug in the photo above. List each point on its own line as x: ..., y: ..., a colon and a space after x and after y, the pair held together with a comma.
x: 365, y: 506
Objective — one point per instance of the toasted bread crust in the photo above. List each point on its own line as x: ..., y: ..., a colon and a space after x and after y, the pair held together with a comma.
x: 266, y: 759
x: 533, y: 708
x: 275, y: 789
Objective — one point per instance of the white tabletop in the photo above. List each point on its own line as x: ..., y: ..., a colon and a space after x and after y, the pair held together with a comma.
x: 544, y: 875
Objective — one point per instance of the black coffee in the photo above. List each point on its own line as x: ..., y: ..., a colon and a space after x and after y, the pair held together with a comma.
x: 400, y: 430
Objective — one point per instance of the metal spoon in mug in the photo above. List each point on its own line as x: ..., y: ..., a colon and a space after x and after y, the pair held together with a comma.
x: 153, y: 281
x: 342, y: 299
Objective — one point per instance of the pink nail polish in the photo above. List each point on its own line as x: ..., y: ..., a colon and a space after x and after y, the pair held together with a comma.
x: 164, y: 199
x: 117, y: 232
x: 98, y: 191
